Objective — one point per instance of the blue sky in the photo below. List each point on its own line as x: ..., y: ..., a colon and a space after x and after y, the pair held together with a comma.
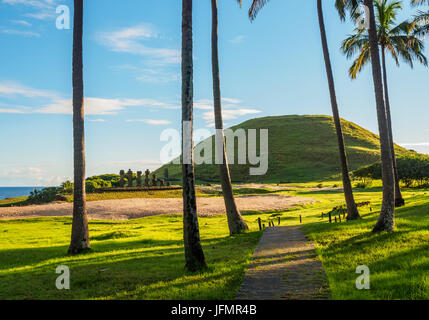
x: 273, y: 66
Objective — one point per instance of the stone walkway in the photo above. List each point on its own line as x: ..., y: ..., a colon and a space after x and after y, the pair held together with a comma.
x: 284, y: 266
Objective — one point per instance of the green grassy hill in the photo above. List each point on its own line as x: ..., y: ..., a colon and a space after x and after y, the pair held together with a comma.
x: 301, y: 149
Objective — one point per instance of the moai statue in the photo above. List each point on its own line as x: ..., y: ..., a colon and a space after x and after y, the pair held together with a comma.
x: 166, y: 173
x: 154, y: 180
x: 122, y: 181
x: 130, y: 178
x: 161, y: 183
x: 146, y: 178
x: 139, y: 178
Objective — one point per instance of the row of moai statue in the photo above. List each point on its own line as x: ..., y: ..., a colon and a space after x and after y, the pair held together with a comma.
x: 155, y: 180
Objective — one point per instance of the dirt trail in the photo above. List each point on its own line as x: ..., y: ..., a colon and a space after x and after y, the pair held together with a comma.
x: 136, y: 208
x: 284, y: 266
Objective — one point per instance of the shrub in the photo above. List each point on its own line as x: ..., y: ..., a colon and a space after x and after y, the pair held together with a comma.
x: 43, y: 196
x: 91, y: 185
x: 66, y: 188
x: 364, y: 183
x: 412, y: 171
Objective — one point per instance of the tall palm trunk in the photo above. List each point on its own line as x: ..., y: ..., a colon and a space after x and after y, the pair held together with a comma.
x: 387, y: 215
x: 352, y: 211
x: 236, y: 223
x: 193, y: 251
x: 80, y: 235
x: 399, y: 201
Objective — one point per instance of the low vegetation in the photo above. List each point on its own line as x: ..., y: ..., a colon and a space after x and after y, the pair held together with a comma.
x: 143, y: 258
x: 413, y: 171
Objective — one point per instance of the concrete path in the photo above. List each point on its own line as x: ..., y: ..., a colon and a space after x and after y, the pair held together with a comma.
x: 284, y: 266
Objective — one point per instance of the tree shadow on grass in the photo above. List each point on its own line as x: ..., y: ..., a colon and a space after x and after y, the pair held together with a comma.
x: 102, y: 272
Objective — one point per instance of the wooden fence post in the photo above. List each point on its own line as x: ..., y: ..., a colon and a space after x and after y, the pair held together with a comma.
x: 300, y: 219
x: 278, y: 219
x: 260, y: 224
x: 330, y: 218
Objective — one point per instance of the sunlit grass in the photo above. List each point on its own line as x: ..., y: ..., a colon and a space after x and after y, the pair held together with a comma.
x: 144, y: 258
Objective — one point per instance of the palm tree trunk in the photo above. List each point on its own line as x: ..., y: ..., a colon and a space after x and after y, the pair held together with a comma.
x: 387, y: 215
x: 80, y: 234
x: 399, y: 201
x: 193, y: 251
x: 236, y: 223
x: 352, y: 211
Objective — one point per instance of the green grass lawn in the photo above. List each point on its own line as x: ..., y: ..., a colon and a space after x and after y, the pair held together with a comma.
x: 398, y: 261
x: 144, y: 259
x: 13, y: 201
x: 137, y: 259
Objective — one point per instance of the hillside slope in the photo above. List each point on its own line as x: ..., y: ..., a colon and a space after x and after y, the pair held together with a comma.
x: 301, y: 149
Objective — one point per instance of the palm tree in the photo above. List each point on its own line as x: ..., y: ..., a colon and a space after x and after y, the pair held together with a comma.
x: 80, y: 234
x: 421, y: 20
x: 236, y: 223
x: 386, y: 221
x: 194, y: 254
x: 352, y: 211
x: 396, y: 40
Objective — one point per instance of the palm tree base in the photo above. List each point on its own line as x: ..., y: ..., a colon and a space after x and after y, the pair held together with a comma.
x: 241, y: 227
x: 383, y: 225
x: 74, y: 251
x: 400, y: 202
x: 195, y: 266
x: 353, y: 217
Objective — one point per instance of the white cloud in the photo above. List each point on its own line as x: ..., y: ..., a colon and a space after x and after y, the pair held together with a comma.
x: 231, y: 114
x: 41, y: 4
x: 22, y: 23
x: 4, y: 110
x: 129, y: 40
x: 415, y: 144
x: 56, y: 104
x: 20, y: 33
x: 149, y: 74
x: 96, y: 120
x: 207, y: 104
x: 237, y: 39
x: 34, y: 175
x: 151, y: 121
x: 95, y: 168
x: 231, y: 109
x: 93, y: 106
x: 9, y: 88
x: 154, y: 76
x: 232, y: 101
x: 40, y: 9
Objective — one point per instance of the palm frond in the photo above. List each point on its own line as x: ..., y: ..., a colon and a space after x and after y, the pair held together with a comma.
x: 400, y: 40
x: 347, y: 6
x: 255, y: 7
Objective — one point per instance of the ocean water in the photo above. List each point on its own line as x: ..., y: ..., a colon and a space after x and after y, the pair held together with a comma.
x: 12, y: 192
